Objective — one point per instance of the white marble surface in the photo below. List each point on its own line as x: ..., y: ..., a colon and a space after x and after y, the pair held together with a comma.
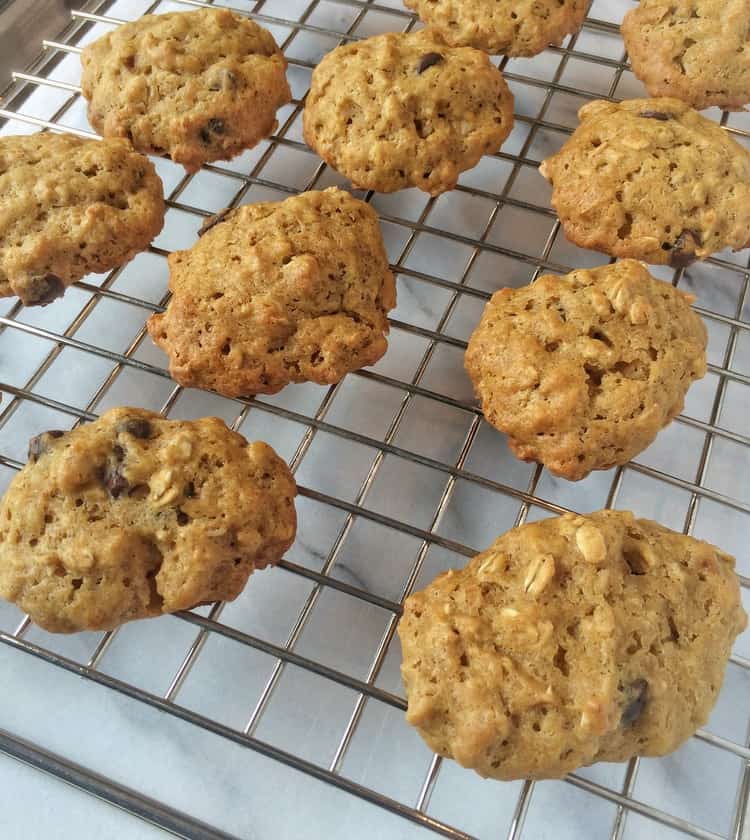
x: 234, y: 788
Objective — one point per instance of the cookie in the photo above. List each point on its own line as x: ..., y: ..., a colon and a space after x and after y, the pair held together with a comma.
x: 695, y: 50
x: 406, y: 110
x: 134, y: 516
x: 290, y: 291
x: 572, y: 640
x: 582, y: 371
x: 510, y: 27
x: 197, y: 86
x: 69, y: 207
x: 651, y: 179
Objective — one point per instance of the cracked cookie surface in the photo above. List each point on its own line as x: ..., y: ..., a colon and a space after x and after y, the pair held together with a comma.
x: 134, y: 516
x: 695, y: 50
x: 651, y: 179
x: 197, y: 86
x: 69, y: 207
x: 510, y: 27
x: 291, y: 291
x: 406, y: 110
x: 571, y: 640
x: 582, y: 371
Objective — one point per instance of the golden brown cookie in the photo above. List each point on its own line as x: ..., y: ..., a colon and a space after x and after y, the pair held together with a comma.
x: 572, y: 640
x: 695, y: 50
x: 511, y: 27
x: 197, y: 86
x: 651, y: 179
x: 134, y: 516
x: 69, y: 207
x: 582, y: 371
x: 406, y: 110
x: 279, y: 292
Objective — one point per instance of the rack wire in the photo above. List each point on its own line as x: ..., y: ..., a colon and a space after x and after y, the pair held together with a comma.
x: 399, y: 476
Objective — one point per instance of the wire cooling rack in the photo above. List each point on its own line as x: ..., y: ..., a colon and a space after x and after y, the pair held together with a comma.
x: 281, y: 714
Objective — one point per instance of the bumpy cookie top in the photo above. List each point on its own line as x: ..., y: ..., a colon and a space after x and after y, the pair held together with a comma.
x: 651, y: 179
x: 406, y: 110
x: 134, y: 516
x: 571, y: 640
x: 69, y: 207
x: 278, y: 292
x: 694, y: 50
x: 582, y: 371
x: 198, y: 86
x: 511, y: 27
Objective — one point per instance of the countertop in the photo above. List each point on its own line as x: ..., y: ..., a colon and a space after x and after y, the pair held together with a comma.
x: 219, y: 780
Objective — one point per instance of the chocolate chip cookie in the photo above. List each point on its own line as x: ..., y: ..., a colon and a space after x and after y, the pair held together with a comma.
x: 572, y: 640
x: 406, y: 110
x: 651, y: 179
x: 582, y: 371
x: 511, y: 27
x: 134, y: 516
x: 695, y: 50
x: 69, y: 207
x: 279, y: 292
x: 197, y: 86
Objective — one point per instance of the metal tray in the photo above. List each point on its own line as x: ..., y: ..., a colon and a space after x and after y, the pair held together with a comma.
x: 281, y: 715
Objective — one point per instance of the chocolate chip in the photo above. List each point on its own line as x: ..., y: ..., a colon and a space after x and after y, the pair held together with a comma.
x: 115, y: 482
x: 214, y: 220
x: 40, y: 444
x: 189, y: 490
x: 636, y: 562
x: 681, y: 259
x: 637, y: 697
x: 111, y: 475
x: 682, y: 256
x: 182, y: 518
x: 429, y: 60
x: 682, y: 238
x: 657, y: 115
x: 43, y: 290
x: 213, y: 126
x: 136, y: 427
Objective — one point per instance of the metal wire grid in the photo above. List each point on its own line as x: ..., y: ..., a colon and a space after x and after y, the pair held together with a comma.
x: 529, y: 500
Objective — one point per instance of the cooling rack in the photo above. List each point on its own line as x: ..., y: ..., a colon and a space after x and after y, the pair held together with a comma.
x: 281, y: 714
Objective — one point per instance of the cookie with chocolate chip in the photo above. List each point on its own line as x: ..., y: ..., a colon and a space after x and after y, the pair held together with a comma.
x: 695, y: 50
x: 406, y: 110
x: 510, y: 27
x: 69, y: 207
x: 134, y: 516
x: 569, y: 641
x: 197, y: 86
x: 278, y: 292
x: 582, y: 371
x: 651, y: 179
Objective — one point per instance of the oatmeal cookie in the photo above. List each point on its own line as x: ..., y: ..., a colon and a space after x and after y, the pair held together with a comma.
x: 133, y: 516
x: 695, y: 50
x: 406, y: 110
x: 69, y: 207
x: 197, y: 86
x: 571, y: 640
x: 582, y: 371
x: 511, y: 27
x: 290, y: 291
x: 651, y: 179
